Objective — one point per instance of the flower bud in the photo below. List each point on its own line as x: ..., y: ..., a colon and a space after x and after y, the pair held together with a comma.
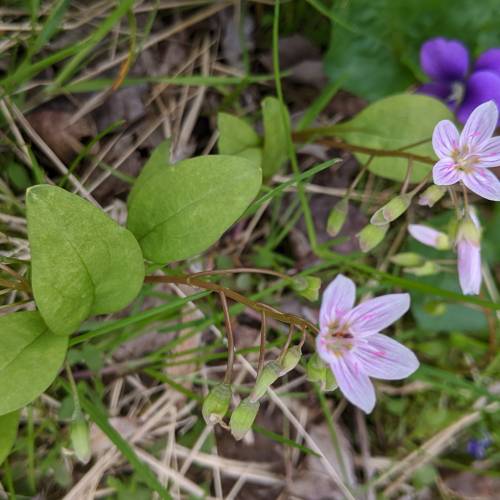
x: 392, y: 210
x: 429, y: 236
x: 337, y: 217
x: 243, y: 418
x: 469, y: 230
x: 80, y: 439
x: 315, y: 369
x: 217, y: 403
x: 307, y: 287
x: 407, y: 259
x: 329, y: 383
x: 431, y: 195
x: 290, y: 360
x: 266, y: 378
x: 428, y: 269
x: 370, y: 236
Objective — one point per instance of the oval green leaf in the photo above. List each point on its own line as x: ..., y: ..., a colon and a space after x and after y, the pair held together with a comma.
x: 182, y: 209
x: 394, y: 123
x: 30, y: 359
x: 235, y: 135
x: 8, y: 433
x: 82, y: 262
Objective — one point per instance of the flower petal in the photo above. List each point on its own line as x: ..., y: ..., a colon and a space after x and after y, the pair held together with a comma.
x: 445, y: 139
x: 354, y: 384
x: 489, y: 61
x: 426, y: 235
x: 469, y: 267
x: 444, y: 60
x: 490, y: 153
x: 483, y: 182
x: 482, y: 87
x: 444, y: 172
x: 338, y: 299
x: 439, y: 90
x: 376, y: 314
x: 385, y: 358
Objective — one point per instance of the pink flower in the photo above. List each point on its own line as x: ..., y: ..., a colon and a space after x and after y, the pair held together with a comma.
x: 468, y: 156
x: 429, y: 236
x: 350, y: 343
x: 469, y: 255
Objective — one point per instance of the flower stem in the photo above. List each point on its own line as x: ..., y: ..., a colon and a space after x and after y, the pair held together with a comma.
x: 230, y: 339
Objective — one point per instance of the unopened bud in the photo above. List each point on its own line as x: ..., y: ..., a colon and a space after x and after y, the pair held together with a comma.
x: 427, y: 269
x: 290, y: 359
x: 243, y: 418
x: 329, y: 383
x: 80, y: 439
x: 370, y: 236
x: 315, y: 369
x: 337, y: 217
x: 307, y: 287
x: 392, y: 210
x: 217, y: 403
x: 407, y: 259
x: 266, y: 378
x: 431, y: 195
x: 469, y: 230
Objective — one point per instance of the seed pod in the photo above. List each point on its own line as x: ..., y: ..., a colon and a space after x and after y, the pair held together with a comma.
x: 431, y: 195
x: 243, y: 418
x: 315, y: 369
x: 267, y: 377
x: 337, y: 217
x: 392, y: 210
x: 407, y: 259
x: 371, y: 236
x: 217, y: 403
x: 80, y: 439
x: 307, y: 286
x: 428, y: 269
x: 290, y: 360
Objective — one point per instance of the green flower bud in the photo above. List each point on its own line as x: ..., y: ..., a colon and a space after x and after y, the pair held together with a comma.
x: 315, y: 369
x: 337, y: 217
x: 243, y: 418
x: 217, y: 403
x: 370, y: 236
x: 407, y: 259
x: 431, y: 195
x: 329, y: 383
x: 290, y: 360
x: 307, y: 287
x: 80, y: 439
x: 392, y: 210
x: 428, y: 269
x: 469, y: 230
x: 266, y: 378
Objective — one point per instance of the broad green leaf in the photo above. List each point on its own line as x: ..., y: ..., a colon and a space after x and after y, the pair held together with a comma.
x: 395, y: 123
x: 82, y: 262
x: 183, y: 209
x: 30, y: 359
x: 274, y: 153
x: 235, y: 135
x: 8, y: 432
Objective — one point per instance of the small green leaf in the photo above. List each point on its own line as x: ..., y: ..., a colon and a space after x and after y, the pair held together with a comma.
x: 275, y: 136
x: 235, y: 135
x: 393, y: 123
x: 83, y: 263
x: 180, y: 210
x: 30, y: 359
x: 8, y: 432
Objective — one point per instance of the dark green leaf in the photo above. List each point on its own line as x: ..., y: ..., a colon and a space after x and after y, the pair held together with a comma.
x: 8, y: 432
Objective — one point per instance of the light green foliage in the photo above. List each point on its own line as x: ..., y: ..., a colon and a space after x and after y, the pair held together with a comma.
x: 8, y: 432
x: 274, y: 153
x: 393, y: 123
x: 30, y: 358
x: 180, y: 210
x: 236, y: 136
x: 83, y: 263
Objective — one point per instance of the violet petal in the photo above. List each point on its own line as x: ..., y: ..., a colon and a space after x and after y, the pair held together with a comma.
x: 489, y: 61
x: 482, y: 86
x: 444, y: 60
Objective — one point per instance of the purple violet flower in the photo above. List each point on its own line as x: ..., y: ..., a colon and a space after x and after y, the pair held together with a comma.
x: 350, y: 343
x: 446, y: 63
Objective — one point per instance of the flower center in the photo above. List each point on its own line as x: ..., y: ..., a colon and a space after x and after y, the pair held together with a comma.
x: 339, y: 341
x: 457, y: 92
x: 464, y: 160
